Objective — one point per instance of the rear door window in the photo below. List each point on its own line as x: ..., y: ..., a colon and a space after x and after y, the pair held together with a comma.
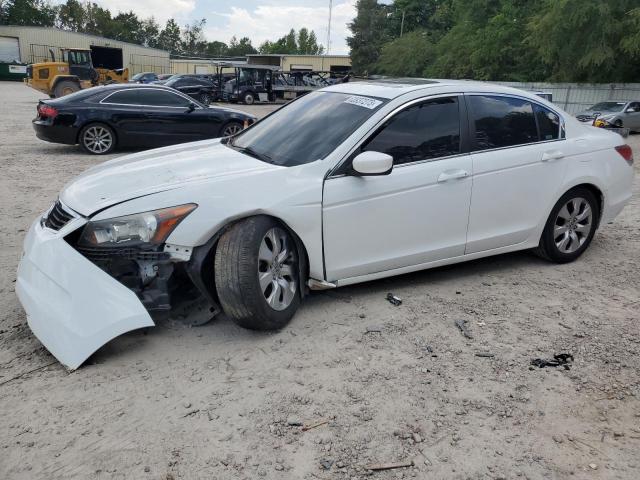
x: 124, y: 97
x: 421, y: 132
x: 502, y: 121
x: 161, y: 98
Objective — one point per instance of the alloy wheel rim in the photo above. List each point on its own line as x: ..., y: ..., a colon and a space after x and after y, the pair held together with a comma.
x: 573, y: 225
x: 97, y: 139
x: 277, y: 269
x: 231, y: 130
x: 205, y: 99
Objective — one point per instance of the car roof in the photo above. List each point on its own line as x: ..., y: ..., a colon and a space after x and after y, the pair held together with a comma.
x: 393, y: 88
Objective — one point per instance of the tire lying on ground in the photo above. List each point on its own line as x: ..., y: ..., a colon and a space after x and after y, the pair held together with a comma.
x: 256, y: 274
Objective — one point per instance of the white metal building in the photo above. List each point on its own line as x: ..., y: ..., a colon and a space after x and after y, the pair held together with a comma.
x: 21, y: 44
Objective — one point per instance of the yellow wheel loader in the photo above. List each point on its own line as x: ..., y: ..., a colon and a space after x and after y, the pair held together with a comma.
x: 74, y: 72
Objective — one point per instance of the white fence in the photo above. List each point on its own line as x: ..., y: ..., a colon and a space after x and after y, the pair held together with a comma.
x: 574, y: 97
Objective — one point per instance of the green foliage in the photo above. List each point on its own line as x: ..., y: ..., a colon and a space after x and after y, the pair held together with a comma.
x: 238, y: 48
x: 369, y: 35
x: 406, y: 56
x: 27, y: 12
x: 303, y: 42
x: 512, y: 40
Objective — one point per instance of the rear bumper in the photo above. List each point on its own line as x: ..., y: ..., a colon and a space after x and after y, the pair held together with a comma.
x: 55, y: 133
x: 72, y: 306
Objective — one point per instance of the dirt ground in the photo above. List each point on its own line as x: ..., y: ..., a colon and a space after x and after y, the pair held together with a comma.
x: 395, y: 383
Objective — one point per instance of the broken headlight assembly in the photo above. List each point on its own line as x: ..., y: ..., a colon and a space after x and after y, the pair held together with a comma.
x: 140, y: 229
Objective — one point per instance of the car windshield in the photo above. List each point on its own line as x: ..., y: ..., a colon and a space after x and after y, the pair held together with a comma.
x: 307, y: 129
x: 137, y: 76
x: 608, y: 107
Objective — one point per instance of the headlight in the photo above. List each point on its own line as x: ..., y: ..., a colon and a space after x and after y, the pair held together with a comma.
x: 141, y: 228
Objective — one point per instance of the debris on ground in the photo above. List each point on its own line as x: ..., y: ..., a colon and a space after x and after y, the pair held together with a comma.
x: 462, y: 326
x: 485, y: 354
x: 326, y: 464
x: 374, y: 329
x: 314, y: 425
x: 393, y: 299
x: 560, y: 360
x: 389, y: 466
x: 294, y: 422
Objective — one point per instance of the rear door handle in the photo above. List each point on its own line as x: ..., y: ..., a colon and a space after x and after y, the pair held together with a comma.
x: 452, y: 175
x: 553, y: 155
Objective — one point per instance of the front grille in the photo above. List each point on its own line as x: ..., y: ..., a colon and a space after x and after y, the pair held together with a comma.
x: 96, y: 254
x: 58, y: 217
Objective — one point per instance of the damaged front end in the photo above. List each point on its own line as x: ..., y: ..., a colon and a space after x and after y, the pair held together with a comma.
x: 82, y: 283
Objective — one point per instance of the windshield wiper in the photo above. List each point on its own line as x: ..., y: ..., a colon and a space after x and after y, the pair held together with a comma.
x: 250, y: 151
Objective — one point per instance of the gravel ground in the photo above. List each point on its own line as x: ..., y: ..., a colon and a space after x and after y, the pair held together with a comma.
x: 395, y: 384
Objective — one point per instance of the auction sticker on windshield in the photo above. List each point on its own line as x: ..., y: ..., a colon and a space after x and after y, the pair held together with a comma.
x: 365, y: 102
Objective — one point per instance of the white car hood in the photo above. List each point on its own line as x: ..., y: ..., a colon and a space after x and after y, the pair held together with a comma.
x: 154, y: 171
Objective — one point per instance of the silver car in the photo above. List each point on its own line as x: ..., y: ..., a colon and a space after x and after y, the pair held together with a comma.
x: 617, y: 114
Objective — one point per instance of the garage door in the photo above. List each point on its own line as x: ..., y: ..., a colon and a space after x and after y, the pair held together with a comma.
x: 9, y: 50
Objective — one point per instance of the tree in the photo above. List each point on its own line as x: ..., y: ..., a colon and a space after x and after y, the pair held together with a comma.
x: 587, y: 40
x: 238, y: 48
x: 216, y: 49
x: 169, y: 38
x: 368, y: 29
x: 192, y: 42
x: 127, y: 27
x: 312, y: 47
x: 28, y: 12
x: 408, y: 55
x: 72, y: 16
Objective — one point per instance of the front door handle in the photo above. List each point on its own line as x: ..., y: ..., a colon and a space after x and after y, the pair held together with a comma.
x: 552, y: 155
x: 452, y: 175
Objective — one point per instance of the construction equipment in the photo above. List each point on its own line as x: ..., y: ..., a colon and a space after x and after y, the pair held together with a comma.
x: 74, y: 72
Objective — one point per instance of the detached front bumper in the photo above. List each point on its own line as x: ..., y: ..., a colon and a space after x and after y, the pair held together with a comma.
x: 73, y: 307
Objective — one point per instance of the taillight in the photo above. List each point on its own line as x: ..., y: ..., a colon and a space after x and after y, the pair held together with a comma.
x: 626, y: 152
x: 47, y: 111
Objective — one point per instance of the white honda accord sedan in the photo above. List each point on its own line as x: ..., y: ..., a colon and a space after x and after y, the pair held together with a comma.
x: 350, y: 183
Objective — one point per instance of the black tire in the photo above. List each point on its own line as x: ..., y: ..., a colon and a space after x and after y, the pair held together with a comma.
x: 205, y: 98
x: 618, y: 123
x: 65, y: 87
x: 237, y: 266
x: 248, y: 98
x: 548, y: 247
x: 84, y: 139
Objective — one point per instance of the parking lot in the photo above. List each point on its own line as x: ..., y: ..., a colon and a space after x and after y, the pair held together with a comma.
x: 377, y: 383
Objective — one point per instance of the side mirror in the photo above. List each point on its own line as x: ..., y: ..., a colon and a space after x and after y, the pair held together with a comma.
x: 191, y: 108
x: 630, y: 110
x: 372, y: 163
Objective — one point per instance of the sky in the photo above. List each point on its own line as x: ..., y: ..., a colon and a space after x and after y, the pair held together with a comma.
x: 259, y: 20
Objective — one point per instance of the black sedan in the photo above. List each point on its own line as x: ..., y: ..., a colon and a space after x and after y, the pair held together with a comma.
x: 131, y: 115
x: 196, y: 86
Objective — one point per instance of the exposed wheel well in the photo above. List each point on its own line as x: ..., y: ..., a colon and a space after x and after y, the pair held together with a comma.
x: 200, y: 266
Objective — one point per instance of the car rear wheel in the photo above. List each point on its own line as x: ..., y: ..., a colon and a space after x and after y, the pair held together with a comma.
x: 570, y: 226
x: 257, y: 274
x: 205, y: 98
x: 98, y: 139
x: 65, y: 87
x: 231, y: 128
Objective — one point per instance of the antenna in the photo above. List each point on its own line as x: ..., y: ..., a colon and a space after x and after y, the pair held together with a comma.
x: 329, y: 28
